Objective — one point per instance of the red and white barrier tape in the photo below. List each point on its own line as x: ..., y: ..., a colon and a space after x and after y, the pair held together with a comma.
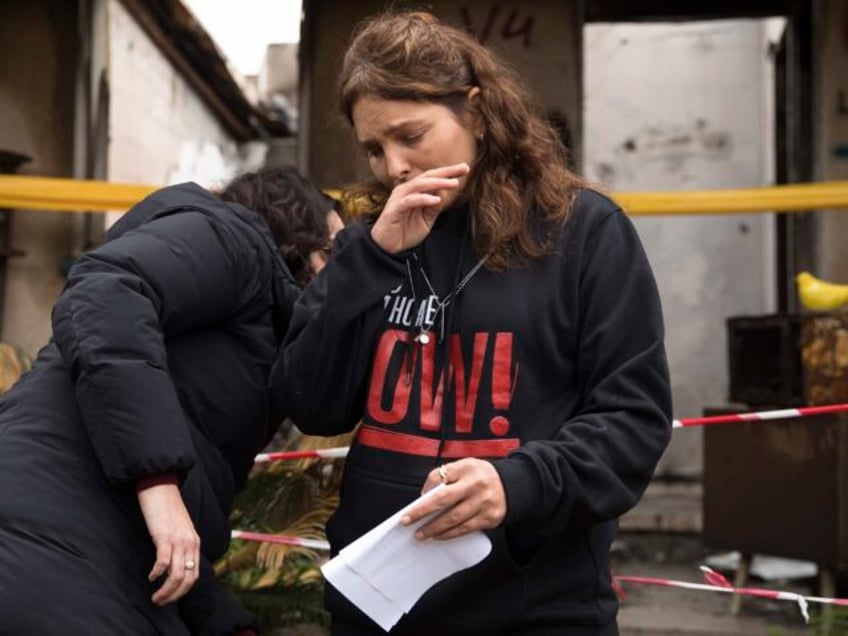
x: 718, y: 583
x: 321, y: 453
x: 261, y: 537
x: 781, y: 414
x: 715, y: 582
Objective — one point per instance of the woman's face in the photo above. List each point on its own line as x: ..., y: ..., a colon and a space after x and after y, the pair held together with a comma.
x: 402, y: 139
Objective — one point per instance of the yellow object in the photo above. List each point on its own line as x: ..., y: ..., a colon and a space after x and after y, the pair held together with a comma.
x: 818, y: 294
x: 76, y: 195
x: 13, y: 364
x: 69, y: 195
x: 800, y: 197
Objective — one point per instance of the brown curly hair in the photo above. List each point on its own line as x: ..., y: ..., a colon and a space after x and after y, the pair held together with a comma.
x: 520, y: 188
x: 296, y: 212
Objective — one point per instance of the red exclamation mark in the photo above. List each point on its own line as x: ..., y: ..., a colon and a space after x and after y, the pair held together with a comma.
x: 503, y: 384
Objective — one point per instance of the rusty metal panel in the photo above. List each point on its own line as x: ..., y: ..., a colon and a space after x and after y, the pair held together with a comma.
x: 778, y: 487
x: 824, y: 347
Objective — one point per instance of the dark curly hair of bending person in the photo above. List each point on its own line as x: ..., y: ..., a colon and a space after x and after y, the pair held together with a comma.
x: 294, y: 208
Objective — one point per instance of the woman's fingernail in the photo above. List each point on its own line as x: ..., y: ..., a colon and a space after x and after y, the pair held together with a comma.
x: 405, y: 520
x: 419, y: 535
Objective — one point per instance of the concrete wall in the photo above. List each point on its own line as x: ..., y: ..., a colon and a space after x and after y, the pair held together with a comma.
x: 279, y: 73
x: 677, y: 107
x: 38, y: 48
x: 161, y: 132
x: 832, y: 142
x: 538, y: 37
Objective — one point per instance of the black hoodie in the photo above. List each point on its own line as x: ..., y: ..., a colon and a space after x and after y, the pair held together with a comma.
x: 557, y: 375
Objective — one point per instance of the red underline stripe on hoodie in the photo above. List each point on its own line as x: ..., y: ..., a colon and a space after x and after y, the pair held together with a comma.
x: 429, y: 447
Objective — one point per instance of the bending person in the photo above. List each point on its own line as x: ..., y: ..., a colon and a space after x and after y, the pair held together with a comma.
x: 495, y: 325
x: 120, y: 452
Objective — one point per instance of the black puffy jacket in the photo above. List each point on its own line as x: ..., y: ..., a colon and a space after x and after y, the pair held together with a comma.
x: 163, y: 339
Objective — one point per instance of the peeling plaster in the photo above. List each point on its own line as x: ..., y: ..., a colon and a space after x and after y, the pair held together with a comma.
x: 201, y: 161
x: 675, y: 145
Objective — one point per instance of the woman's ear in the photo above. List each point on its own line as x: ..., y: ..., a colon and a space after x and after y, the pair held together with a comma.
x: 477, y: 124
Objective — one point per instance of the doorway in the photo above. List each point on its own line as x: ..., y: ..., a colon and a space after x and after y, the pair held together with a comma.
x: 699, y: 104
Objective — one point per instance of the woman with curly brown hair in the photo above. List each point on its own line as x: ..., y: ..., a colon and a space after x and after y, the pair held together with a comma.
x: 495, y: 325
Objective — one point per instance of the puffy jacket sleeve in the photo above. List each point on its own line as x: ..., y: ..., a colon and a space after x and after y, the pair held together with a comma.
x: 121, y: 303
x: 321, y: 375
x: 599, y: 462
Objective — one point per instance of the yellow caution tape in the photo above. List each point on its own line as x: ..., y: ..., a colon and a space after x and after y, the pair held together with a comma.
x: 783, y: 198
x: 75, y: 195
x: 68, y: 195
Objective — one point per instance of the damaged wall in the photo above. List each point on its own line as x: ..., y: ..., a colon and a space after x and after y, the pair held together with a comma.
x: 161, y: 132
x: 681, y: 107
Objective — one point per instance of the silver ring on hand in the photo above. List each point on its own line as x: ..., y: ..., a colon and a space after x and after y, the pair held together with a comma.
x: 443, y: 473
x: 190, y: 565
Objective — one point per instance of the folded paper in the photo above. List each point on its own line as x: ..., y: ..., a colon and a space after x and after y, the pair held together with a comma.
x: 387, y: 570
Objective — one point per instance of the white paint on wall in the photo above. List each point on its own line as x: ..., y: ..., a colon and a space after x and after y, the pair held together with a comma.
x: 161, y: 132
x: 687, y: 281
x: 201, y: 161
x: 677, y: 107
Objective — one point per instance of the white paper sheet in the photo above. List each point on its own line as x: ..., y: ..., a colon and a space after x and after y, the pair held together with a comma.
x: 387, y: 570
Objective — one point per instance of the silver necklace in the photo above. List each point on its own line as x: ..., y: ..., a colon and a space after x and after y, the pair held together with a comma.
x: 426, y: 326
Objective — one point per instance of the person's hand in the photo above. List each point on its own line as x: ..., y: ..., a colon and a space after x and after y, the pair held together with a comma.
x: 177, y: 543
x: 473, y: 499
x: 413, y: 206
